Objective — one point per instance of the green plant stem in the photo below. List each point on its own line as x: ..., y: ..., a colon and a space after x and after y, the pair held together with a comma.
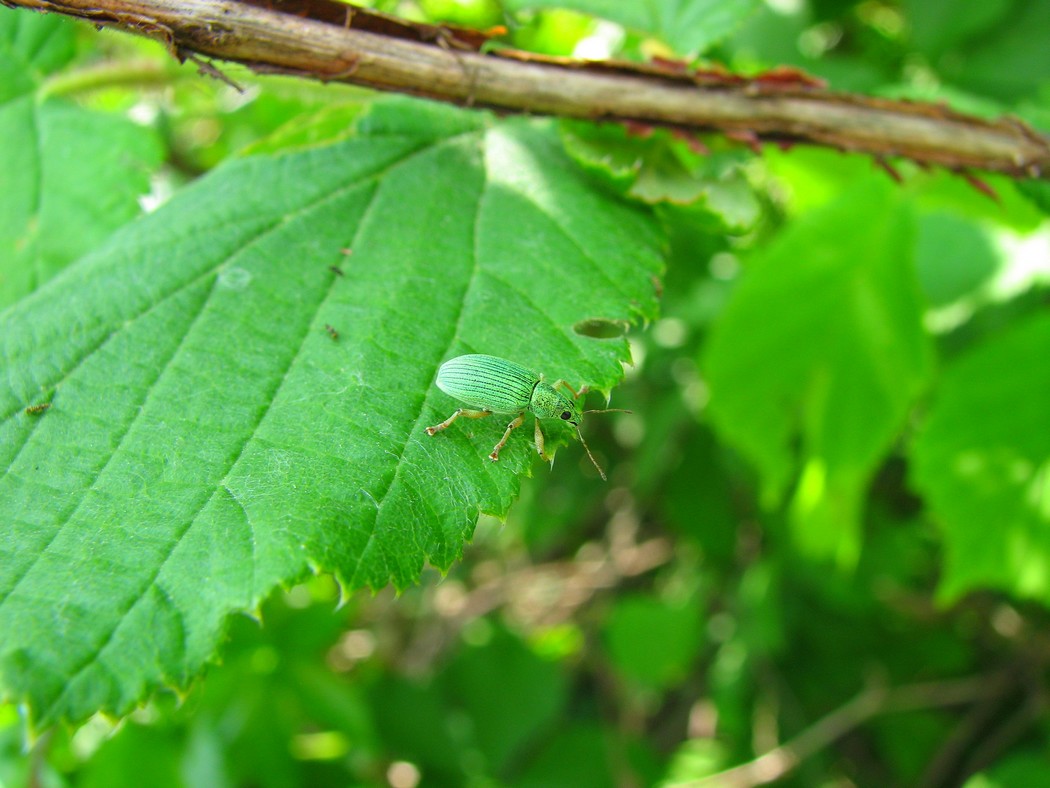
x: 134, y: 74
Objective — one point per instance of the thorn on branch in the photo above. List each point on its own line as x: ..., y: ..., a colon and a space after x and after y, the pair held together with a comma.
x: 783, y: 143
x: 206, y: 67
x: 636, y: 128
x: 981, y: 186
x: 693, y: 142
x: 882, y: 163
x: 748, y: 137
x: 670, y: 64
x: 789, y: 77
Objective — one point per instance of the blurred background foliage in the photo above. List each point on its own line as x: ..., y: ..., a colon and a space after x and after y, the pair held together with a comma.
x: 824, y: 551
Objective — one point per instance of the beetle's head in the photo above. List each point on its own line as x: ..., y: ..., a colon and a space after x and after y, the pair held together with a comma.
x: 568, y: 411
x: 549, y: 403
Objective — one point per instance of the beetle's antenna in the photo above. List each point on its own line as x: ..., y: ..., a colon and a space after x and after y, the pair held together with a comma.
x: 587, y: 449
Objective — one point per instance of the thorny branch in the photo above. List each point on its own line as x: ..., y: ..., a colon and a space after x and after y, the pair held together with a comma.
x: 329, y: 41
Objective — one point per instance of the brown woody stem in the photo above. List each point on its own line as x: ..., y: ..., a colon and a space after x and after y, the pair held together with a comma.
x: 322, y: 40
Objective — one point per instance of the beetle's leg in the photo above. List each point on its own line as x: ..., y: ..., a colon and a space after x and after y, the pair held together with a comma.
x: 467, y: 414
x: 575, y: 394
x: 503, y: 441
x: 539, y: 442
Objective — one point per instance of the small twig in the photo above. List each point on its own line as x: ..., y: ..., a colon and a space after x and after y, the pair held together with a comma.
x: 543, y: 594
x: 980, y: 734
x: 874, y: 700
x: 1005, y: 734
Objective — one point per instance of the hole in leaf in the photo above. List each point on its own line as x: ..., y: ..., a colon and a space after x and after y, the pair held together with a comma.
x: 600, y: 328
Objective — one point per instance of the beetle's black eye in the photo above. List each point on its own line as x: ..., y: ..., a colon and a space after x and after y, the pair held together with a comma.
x: 565, y: 415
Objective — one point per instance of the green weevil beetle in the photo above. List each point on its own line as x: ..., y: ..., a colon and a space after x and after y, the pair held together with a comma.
x: 495, y: 385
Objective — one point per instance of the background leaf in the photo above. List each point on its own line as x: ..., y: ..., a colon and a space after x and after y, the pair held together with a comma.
x: 482, y: 678
x: 241, y: 444
x: 652, y: 641
x: 31, y: 47
x: 68, y: 176
x: 983, y: 461
x: 823, y: 339
x: 990, y: 48
x: 687, y: 26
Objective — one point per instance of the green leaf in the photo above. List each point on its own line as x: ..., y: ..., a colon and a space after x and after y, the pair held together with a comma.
x: 1016, y: 770
x: 823, y: 340
x: 70, y: 176
x: 31, y: 47
x: 480, y: 681
x: 688, y: 26
x: 658, y: 168
x: 691, y: 26
x: 953, y: 257
x: 154, y: 750
x: 652, y: 641
x: 208, y: 439
x: 578, y: 756
x: 1007, y: 61
x: 698, y: 498
x: 983, y: 461
x: 1038, y: 192
x: 414, y: 722
x: 939, y: 25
